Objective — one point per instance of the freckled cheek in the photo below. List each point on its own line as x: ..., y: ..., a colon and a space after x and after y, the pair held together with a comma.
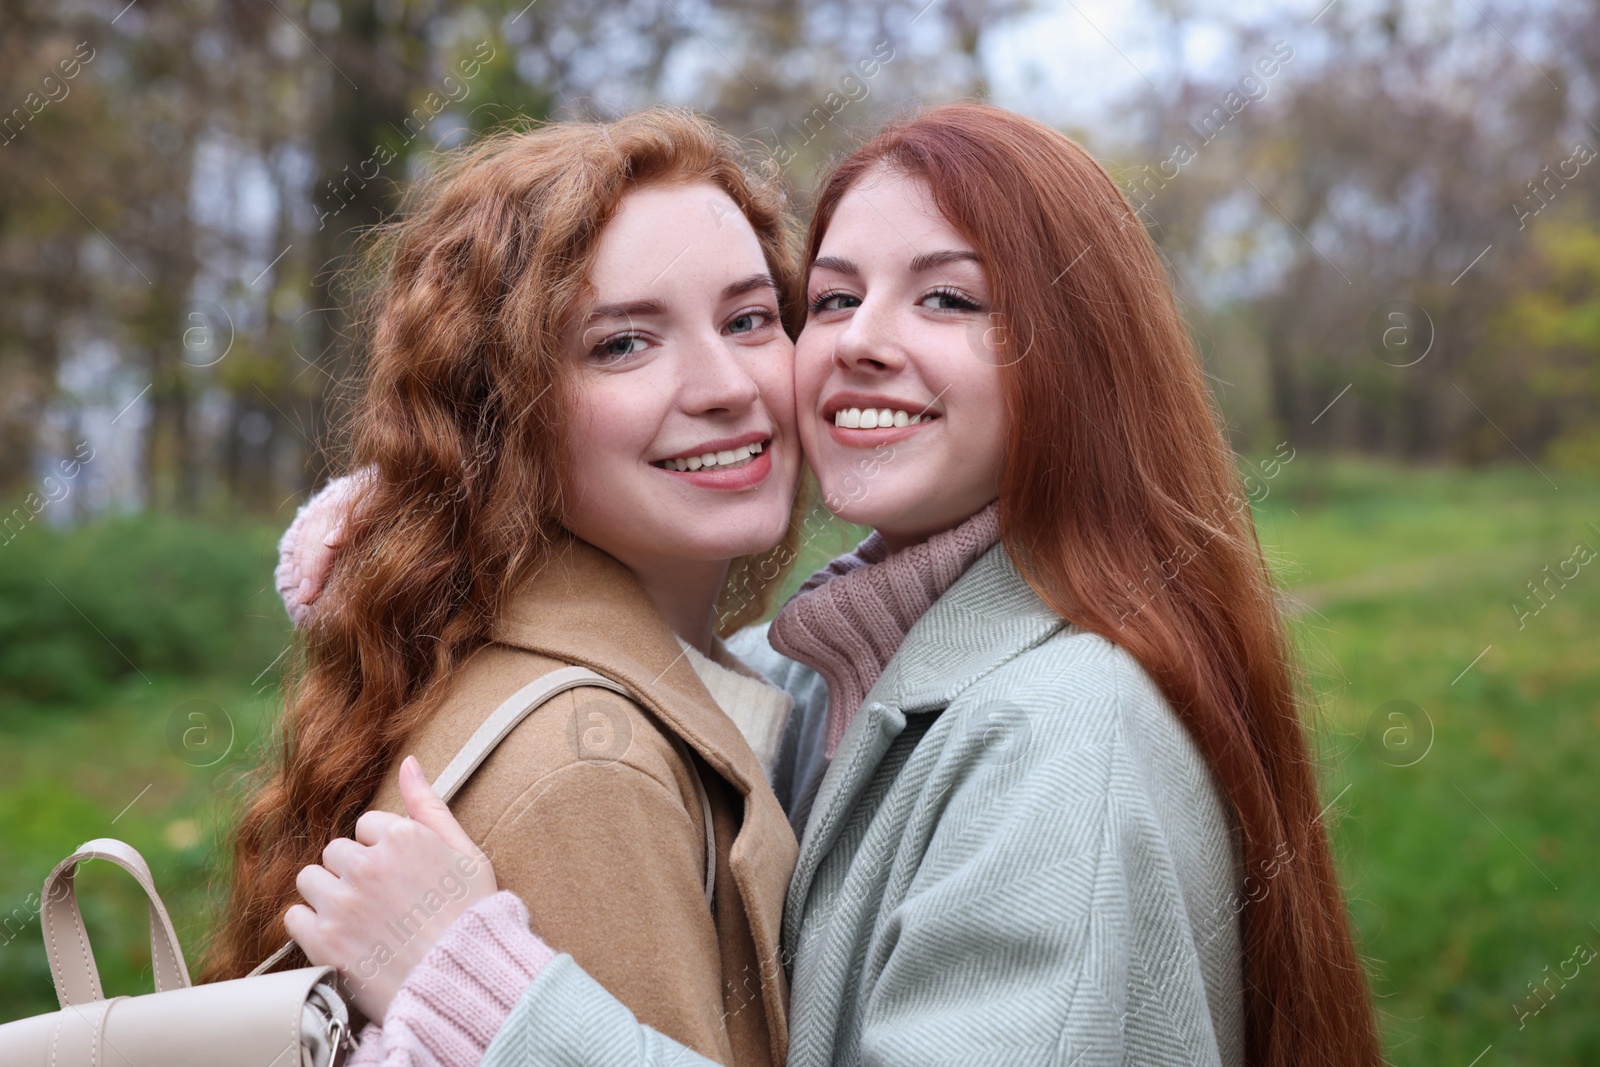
x: 982, y: 430
x: 613, y: 428
x: 810, y: 374
x: 777, y: 387
x: 812, y: 356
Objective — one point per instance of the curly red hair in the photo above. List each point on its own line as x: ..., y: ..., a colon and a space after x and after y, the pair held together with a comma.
x: 463, y: 420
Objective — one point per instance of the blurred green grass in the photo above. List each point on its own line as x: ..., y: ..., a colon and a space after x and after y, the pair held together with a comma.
x: 137, y: 677
x: 72, y: 774
x: 1470, y: 872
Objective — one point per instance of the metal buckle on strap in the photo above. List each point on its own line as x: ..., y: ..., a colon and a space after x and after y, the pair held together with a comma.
x: 339, y: 1041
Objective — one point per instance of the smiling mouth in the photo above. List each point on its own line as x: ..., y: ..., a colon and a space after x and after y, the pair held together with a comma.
x: 880, y: 418
x: 724, y: 460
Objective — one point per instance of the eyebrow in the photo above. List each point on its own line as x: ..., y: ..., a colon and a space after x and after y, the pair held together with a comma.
x: 931, y: 260
x: 630, y: 309
x: 763, y: 280
x: 923, y: 261
x: 837, y: 264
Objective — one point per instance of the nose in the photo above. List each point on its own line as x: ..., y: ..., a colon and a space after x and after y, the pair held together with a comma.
x: 868, y: 343
x: 712, y: 380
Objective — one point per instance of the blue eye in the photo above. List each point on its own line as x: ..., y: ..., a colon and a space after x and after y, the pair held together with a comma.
x: 950, y: 300
x: 748, y: 321
x: 834, y: 302
x: 619, y: 347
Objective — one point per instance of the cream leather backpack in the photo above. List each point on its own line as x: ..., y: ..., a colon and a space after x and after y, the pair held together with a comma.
x: 288, y: 1019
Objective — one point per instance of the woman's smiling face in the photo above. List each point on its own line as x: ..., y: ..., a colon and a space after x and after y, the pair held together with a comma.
x: 684, y: 444
x: 897, y: 376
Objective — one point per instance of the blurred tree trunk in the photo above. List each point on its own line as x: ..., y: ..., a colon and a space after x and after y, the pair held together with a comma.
x: 41, y: 279
x: 172, y: 458
x: 360, y: 99
x: 1372, y: 167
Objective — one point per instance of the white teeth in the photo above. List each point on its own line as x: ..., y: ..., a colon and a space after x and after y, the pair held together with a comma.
x: 731, y: 457
x: 875, y: 418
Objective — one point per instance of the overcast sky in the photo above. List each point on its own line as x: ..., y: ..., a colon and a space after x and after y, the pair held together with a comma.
x: 1069, y: 61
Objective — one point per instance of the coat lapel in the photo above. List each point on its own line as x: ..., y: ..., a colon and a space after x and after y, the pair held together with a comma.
x: 585, y: 608
x: 860, y: 751
x: 989, y: 616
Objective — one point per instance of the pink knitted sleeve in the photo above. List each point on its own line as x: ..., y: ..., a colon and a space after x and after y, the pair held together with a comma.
x: 303, y: 566
x: 453, y: 1003
x: 370, y: 1050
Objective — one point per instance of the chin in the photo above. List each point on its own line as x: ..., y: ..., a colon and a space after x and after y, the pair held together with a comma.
x: 900, y: 511
x: 877, y: 498
x: 734, y: 539
x: 762, y: 538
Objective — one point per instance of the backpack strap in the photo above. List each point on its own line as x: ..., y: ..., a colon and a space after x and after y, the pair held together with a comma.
x: 520, y: 705
x: 502, y: 721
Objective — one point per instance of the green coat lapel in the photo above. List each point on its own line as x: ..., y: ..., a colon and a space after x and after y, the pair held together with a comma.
x: 986, y: 618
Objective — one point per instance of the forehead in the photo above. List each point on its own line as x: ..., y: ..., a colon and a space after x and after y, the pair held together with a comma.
x: 890, y: 212
x: 668, y: 238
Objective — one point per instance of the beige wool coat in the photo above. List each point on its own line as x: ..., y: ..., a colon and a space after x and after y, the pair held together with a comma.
x: 588, y: 811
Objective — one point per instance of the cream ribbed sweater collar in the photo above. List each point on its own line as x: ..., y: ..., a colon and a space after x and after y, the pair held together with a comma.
x: 758, y: 708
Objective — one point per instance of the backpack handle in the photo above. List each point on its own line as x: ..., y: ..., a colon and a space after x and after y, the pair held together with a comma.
x: 66, y: 939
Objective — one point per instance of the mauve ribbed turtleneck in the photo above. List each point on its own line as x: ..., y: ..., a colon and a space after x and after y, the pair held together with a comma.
x: 850, y: 617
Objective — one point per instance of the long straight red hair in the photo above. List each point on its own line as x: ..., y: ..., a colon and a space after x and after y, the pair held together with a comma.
x: 1120, y: 503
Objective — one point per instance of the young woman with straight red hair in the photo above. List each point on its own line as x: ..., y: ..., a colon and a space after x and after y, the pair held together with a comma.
x: 1055, y: 799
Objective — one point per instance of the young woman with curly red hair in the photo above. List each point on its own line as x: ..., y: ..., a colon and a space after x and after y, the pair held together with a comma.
x: 577, y: 430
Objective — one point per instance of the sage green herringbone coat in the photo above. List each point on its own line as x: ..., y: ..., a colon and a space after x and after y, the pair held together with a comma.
x: 1016, y: 856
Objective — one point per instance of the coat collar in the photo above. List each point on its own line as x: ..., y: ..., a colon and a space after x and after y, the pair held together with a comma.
x: 585, y: 608
x: 988, y: 617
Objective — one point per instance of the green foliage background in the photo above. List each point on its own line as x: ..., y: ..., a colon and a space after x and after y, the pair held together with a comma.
x: 1470, y: 872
